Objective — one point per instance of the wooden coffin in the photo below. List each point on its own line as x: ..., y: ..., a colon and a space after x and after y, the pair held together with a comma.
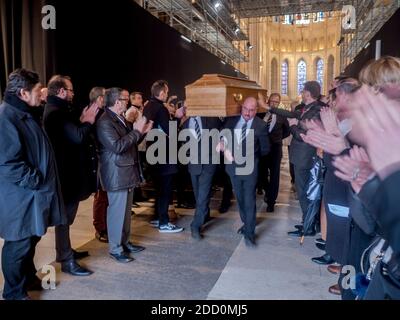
x: 215, y: 95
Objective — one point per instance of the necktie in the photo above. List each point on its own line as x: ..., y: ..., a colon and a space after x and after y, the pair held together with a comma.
x: 243, y: 135
x: 269, y: 120
x: 197, y: 128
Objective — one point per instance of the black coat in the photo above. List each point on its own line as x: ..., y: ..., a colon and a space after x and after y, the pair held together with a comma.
x: 158, y: 113
x: 336, y: 196
x: 301, y: 154
x: 30, y: 194
x: 118, y: 155
x: 74, y: 148
x: 261, y: 145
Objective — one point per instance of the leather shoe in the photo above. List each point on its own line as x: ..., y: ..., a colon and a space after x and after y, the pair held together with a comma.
x: 295, y: 233
x: 80, y: 254
x: 73, y: 268
x: 320, y: 240
x: 196, y: 234
x: 102, y: 236
x: 299, y: 226
x: 34, y: 285
x: 224, y: 208
x: 270, y: 208
x: 335, y: 268
x: 185, y: 206
x: 250, y: 242
x: 335, y: 289
x: 121, y: 257
x: 240, y: 230
x: 320, y: 246
x: 131, y: 248
x: 325, y: 259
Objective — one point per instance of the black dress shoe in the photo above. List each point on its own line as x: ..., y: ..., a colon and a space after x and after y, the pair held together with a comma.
x: 270, y: 208
x: 320, y: 240
x: 80, y: 254
x: 102, y: 236
x: 299, y: 226
x: 185, y: 205
x: 325, y: 259
x: 73, y: 268
x: 320, y: 246
x: 34, y: 285
x: 224, y: 207
x: 240, y: 230
x: 296, y: 233
x: 250, y: 242
x: 121, y: 257
x: 196, y: 234
x: 131, y: 248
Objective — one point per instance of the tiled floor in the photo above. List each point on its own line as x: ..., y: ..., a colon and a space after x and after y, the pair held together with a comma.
x: 279, y: 268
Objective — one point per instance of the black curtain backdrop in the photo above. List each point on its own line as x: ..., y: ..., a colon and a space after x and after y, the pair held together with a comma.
x: 118, y: 43
x: 23, y: 42
x: 390, y: 46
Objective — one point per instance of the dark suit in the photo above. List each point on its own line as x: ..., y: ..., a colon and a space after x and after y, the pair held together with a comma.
x: 202, y: 174
x: 270, y: 165
x: 76, y: 159
x: 245, y: 185
x: 301, y: 154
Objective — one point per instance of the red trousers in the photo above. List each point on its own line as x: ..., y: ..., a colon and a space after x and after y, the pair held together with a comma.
x: 100, y: 205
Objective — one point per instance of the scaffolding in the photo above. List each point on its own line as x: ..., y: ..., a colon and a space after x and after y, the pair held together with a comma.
x: 370, y: 17
x: 215, y: 29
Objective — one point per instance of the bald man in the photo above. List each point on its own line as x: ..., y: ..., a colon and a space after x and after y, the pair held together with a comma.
x: 245, y: 141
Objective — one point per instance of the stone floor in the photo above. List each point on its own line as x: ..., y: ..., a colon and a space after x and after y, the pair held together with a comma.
x: 174, y: 266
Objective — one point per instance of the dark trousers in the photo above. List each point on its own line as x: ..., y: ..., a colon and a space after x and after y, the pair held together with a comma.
x: 227, y: 192
x: 163, y: 186
x: 291, y: 169
x: 271, y: 173
x: 100, y: 205
x: 245, y: 192
x: 302, y: 176
x: 18, y: 267
x: 202, y: 191
x: 63, y: 241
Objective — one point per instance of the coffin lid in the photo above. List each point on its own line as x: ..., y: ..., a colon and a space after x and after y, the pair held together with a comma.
x: 218, y: 80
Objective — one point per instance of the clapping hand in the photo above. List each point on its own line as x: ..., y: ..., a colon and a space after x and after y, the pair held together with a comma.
x: 142, y: 125
x: 329, y: 121
x: 354, y: 168
x: 89, y: 114
x: 379, y: 122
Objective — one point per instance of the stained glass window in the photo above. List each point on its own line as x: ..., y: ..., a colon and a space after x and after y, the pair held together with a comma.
x: 284, y: 78
x: 301, y: 75
x: 320, y: 72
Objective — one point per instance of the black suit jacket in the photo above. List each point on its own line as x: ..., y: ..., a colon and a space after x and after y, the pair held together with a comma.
x: 301, y: 153
x: 261, y: 145
x: 280, y: 130
x: 208, y: 123
x: 74, y: 148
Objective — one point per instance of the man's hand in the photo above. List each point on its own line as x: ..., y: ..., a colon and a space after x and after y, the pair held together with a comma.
x: 142, y: 126
x: 132, y: 114
x: 293, y: 122
x: 180, y: 113
x: 89, y: 114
